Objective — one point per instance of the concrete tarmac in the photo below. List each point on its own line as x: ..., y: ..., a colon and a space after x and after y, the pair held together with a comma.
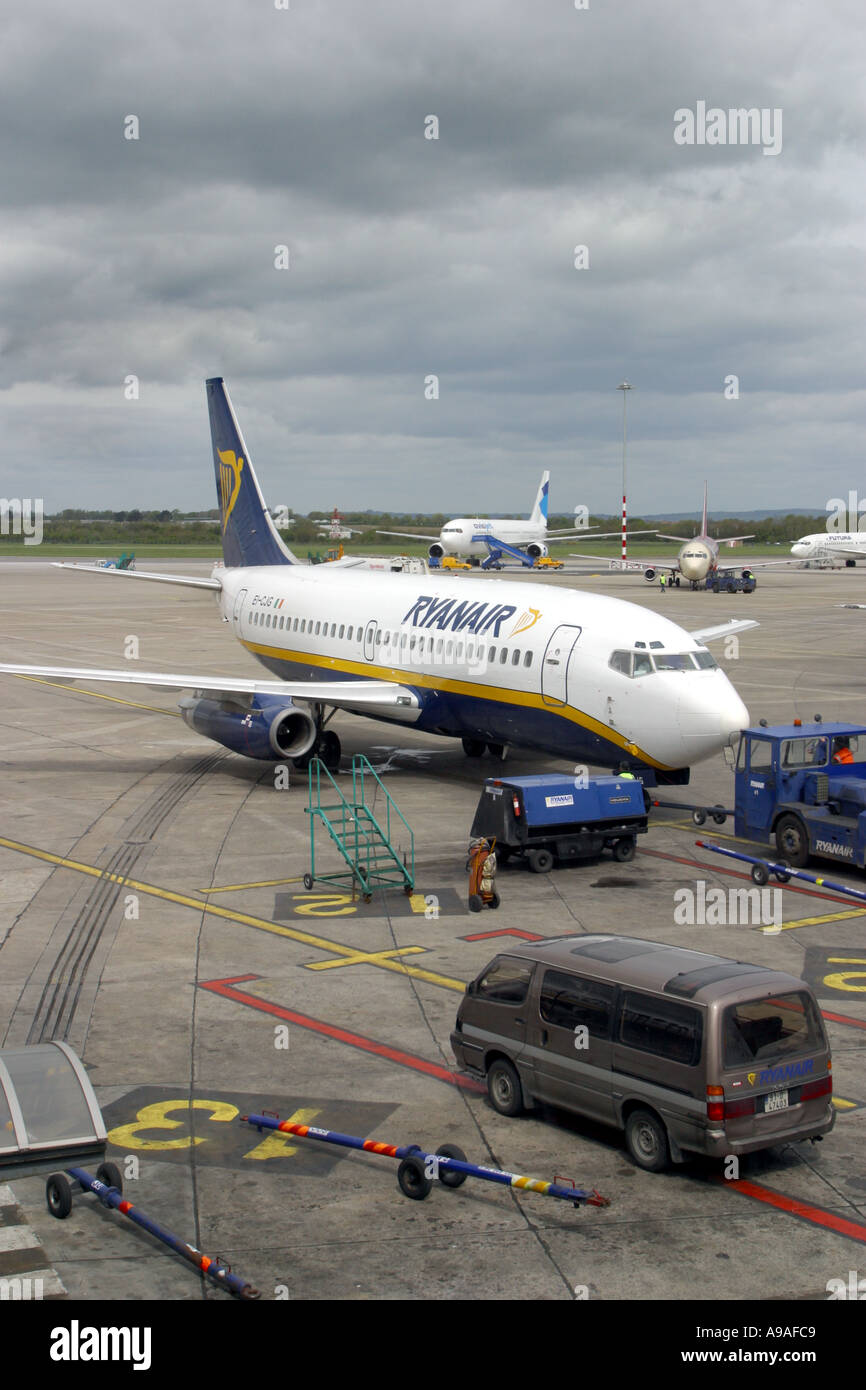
x: 203, y: 981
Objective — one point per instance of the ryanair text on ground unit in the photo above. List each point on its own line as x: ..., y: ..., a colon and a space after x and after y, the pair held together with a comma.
x: 447, y: 614
x: 771, y: 1076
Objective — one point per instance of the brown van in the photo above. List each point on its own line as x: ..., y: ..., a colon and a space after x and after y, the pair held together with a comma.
x: 685, y: 1052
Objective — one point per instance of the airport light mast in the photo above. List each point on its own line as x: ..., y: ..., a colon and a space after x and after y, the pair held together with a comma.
x: 624, y: 387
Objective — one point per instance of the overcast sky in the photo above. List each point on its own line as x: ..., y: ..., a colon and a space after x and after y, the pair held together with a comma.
x: 411, y: 256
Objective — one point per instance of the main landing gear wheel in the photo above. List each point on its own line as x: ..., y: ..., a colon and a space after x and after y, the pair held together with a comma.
x: 447, y: 1176
x: 413, y: 1180
x: 58, y: 1195
x: 472, y: 747
x: 329, y: 749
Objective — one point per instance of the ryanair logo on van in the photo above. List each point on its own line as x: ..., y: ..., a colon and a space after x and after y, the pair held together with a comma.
x: 773, y: 1075
x: 447, y: 615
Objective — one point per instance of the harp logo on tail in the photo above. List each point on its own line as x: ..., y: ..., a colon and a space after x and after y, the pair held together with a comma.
x: 230, y: 482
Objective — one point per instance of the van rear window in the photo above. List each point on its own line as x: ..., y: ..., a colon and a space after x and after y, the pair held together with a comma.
x: 762, y: 1030
x: 673, y: 1031
x: 570, y: 1002
x: 506, y: 982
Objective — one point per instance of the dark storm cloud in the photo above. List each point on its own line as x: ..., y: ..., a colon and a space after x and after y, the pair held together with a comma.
x: 411, y: 256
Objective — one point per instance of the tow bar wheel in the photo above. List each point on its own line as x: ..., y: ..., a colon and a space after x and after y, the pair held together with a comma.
x: 448, y: 1176
x: 413, y: 1179
x: 58, y: 1195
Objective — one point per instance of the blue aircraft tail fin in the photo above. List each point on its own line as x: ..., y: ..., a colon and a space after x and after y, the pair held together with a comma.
x: 248, y: 532
x: 539, y: 511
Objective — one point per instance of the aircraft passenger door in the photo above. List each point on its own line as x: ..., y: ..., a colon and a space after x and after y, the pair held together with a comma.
x: 370, y: 640
x: 555, y: 663
x: 238, y: 610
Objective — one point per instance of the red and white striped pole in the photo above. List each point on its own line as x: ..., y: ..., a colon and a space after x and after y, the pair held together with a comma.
x: 624, y: 387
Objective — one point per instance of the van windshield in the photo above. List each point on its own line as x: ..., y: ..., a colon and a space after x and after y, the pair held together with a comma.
x: 762, y: 1030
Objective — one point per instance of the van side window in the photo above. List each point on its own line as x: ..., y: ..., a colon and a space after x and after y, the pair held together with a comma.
x: 506, y: 982
x: 665, y: 1029
x: 570, y: 1002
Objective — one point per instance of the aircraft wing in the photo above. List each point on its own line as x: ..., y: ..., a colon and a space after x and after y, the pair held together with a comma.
x: 670, y: 566
x: 340, y: 694
x: 188, y: 581
x: 712, y: 634
x: 760, y: 564
x: 408, y: 535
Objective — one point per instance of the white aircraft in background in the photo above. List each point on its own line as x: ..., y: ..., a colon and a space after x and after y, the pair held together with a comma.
x: 473, y: 538
x: 698, y: 557
x: 830, y: 545
x: 577, y: 676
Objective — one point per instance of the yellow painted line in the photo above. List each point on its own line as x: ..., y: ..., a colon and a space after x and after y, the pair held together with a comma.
x: 97, y: 695
x: 813, y: 921
x: 409, y: 676
x: 418, y: 903
x: 366, y: 957
x: 244, y: 918
x: 260, y: 883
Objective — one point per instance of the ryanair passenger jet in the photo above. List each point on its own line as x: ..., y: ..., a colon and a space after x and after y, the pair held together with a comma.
x: 569, y: 674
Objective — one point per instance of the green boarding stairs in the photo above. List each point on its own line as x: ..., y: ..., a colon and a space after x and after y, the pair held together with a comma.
x: 364, y: 839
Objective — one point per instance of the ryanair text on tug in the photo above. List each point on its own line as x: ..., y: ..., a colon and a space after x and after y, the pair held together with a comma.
x: 565, y: 673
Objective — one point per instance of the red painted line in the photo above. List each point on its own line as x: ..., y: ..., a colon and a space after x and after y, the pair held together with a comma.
x: 735, y: 873
x: 329, y: 1030
x: 504, y: 931
x: 844, y: 1018
x: 818, y: 1216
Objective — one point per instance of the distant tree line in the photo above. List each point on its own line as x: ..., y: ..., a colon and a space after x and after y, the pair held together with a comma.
x: 75, y: 526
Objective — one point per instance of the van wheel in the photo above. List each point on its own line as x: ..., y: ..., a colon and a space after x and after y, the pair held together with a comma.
x: 624, y: 851
x: 503, y: 1088
x: 792, y: 841
x: 540, y: 861
x: 647, y: 1141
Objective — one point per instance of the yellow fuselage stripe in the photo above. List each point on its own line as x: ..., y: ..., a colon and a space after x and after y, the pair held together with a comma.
x: 409, y: 676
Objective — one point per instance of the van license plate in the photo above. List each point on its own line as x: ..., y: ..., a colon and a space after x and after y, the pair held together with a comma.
x: 777, y: 1101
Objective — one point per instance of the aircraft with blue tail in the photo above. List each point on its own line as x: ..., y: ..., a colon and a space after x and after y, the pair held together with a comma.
x: 568, y: 674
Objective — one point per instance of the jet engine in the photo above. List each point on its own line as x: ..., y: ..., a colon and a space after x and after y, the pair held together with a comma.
x: 649, y: 575
x: 268, y: 727
x: 436, y: 551
x: 747, y: 574
x: 536, y: 549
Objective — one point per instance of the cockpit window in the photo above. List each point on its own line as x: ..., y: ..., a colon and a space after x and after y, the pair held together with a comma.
x: 673, y: 661
x: 643, y: 664
x: 705, y: 660
x: 621, y: 661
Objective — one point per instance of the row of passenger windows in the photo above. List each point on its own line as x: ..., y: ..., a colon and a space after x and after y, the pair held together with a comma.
x: 418, y: 644
x: 642, y: 1021
x: 634, y: 664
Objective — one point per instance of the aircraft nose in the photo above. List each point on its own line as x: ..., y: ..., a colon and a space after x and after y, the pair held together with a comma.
x: 708, y: 720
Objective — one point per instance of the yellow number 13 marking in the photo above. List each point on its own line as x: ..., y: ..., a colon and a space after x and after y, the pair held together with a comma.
x: 156, y: 1117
